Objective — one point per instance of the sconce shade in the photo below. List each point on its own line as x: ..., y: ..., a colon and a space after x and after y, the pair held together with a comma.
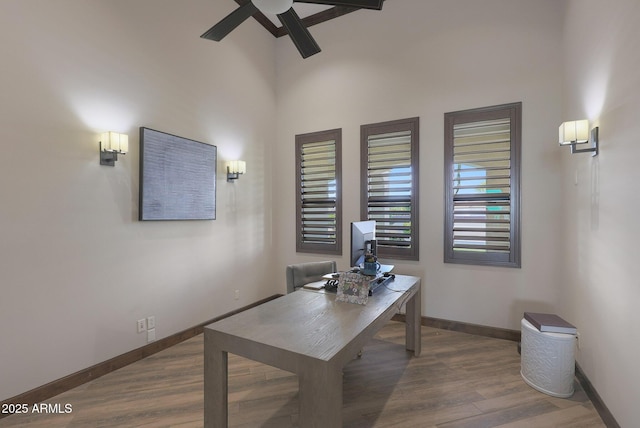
x: 273, y: 6
x: 237, y: 167
x: 234, y: 169
x: 111, y: 145
x: 575, y: 132
x: 114, y: 142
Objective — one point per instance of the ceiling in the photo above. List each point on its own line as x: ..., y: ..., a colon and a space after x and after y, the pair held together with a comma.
x: 311, y: 14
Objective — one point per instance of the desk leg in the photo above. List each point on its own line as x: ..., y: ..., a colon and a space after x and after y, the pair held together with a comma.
x: 215, y: 386
x: 413, y: 323
x: 320, y: 396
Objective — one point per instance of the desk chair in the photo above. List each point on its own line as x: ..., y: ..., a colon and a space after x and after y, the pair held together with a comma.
x: 304, y: 273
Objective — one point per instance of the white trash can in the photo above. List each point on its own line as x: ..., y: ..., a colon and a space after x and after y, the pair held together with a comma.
x: 548, y: 360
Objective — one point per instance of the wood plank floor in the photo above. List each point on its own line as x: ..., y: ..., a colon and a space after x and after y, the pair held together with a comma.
x: 460, y: 380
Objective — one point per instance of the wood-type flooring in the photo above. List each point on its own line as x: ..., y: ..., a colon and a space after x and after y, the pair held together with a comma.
x: 460, y: 380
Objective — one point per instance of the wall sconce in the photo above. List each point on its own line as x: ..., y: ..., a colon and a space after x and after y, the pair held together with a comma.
x: 235, y: 168
x: 577, y: 132
x: 112, y: 144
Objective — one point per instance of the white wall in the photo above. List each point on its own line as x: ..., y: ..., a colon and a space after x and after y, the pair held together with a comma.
x: 76, y: 267
x: 426, y: 58
x: 602, y: 274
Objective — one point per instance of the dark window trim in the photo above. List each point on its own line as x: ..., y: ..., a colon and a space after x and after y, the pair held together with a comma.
x: 513, y: 111
x: 413, y: 125
x: 300, y: 140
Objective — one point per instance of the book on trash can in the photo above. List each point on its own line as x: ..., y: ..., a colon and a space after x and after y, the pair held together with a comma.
x: 550, y: 323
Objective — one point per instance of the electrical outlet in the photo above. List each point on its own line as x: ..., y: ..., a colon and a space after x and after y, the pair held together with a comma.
x: 151, y: 335
x: 237, y: 295
x: 578, y: 339
x: 151, y: 322
x: 142, y: 325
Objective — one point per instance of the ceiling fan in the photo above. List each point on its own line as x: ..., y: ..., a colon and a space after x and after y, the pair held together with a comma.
x: 290, y: 20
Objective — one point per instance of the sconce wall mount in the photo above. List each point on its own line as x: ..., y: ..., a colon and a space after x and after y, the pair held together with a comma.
x: 577, y: 132
x: 235, y: 169
x: 111, y: 145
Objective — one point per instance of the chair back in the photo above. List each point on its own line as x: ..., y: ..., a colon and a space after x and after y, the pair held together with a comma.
x: 304, y: 273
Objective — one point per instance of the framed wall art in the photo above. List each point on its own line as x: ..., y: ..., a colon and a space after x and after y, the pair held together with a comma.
x: 177, y: 177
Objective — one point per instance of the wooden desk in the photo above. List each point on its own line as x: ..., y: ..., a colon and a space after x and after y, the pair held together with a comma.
x: 310, y: 334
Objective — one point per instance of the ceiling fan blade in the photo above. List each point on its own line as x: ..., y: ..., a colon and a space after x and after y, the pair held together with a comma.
x: 299, y: 34
x: 364, y: 4
x: 231, y: 21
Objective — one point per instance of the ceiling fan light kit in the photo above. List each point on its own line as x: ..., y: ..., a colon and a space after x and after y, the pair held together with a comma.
x: 290, y: 20
x: 273, y: 7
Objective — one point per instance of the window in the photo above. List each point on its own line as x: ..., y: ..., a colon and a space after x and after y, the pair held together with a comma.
x: 389, y: 180
x: 482, y: 186
x: 319, y: 192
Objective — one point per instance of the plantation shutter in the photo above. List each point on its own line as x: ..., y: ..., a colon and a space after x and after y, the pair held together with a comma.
x: 482, y: 181
x: 318, y: 193
x: 390, y: 186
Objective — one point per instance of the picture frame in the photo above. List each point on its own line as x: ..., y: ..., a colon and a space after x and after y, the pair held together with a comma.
x: 353, y: 288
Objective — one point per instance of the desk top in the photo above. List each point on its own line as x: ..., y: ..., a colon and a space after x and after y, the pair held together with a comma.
x: 311, y: 324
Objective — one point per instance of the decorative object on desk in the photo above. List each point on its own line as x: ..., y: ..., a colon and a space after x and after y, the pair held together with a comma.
x: 332, y: 281
x: 353, y: 288
x: 235, y: 169
x: 111, y: 145
x: 370, y: 264
x: 550, y: 323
